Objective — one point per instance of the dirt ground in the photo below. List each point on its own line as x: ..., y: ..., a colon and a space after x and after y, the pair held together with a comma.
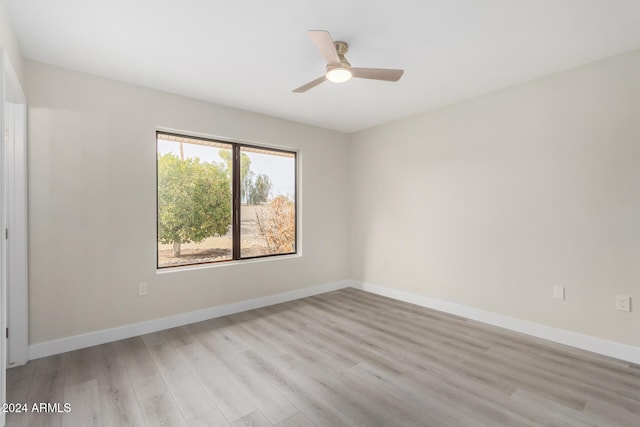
x: 218, y: 248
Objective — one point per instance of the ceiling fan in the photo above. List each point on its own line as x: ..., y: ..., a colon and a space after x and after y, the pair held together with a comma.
x: 338, y: 68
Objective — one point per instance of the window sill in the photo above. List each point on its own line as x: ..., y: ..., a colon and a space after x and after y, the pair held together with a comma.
x: 222, y: 264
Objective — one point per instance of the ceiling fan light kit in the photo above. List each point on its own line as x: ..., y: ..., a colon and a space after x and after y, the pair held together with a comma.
x: 338, y: 74
x: 339, y: 70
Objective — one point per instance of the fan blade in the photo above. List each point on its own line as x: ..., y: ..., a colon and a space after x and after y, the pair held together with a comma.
x: 377, y: 74
x: 324, y: 43
x: 310, y: 85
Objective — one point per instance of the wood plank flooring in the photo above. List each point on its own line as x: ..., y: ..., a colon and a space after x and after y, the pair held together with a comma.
x: 345, y: 358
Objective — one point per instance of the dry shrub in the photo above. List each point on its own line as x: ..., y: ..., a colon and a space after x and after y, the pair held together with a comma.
x: 277, y: 225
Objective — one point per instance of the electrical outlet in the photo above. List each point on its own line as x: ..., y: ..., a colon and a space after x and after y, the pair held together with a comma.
x: 623, y: 302
x: 142, y: 289
x: 558, y: 292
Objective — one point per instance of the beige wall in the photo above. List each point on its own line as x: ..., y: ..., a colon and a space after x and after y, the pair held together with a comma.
x: 490, y: 202
x: 9, y: 43
x: 92, y: 205
x: 487, y: 203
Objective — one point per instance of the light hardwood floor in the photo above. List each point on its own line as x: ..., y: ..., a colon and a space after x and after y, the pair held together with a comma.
x: 338, y: 359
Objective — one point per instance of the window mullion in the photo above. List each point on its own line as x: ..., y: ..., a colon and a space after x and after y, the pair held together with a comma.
x: 236, y: 201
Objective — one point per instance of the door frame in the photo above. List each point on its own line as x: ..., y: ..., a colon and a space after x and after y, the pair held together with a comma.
x: 14, y: 273
x: 15, y: 188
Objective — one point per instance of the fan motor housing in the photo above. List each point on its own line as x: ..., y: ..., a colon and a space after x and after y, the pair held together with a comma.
x: 341, y: 49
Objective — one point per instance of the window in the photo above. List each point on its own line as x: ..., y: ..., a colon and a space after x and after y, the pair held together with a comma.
x: 221, y: 201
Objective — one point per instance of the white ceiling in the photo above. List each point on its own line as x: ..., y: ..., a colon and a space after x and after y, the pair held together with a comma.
x: 250, y: 54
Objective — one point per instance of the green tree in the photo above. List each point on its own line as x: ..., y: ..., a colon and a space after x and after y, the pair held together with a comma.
x: 259, y: 192
x: 194, y: 201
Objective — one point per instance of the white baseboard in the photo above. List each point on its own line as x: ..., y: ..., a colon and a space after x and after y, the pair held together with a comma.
x: 608, y: 348
x: 585, y: 342
x: 76, y: 342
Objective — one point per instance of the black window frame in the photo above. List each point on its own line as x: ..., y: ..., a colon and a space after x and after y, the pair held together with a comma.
x: 236, y: 200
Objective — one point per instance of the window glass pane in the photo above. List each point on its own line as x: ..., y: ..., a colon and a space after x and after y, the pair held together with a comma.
x: 194, y: 200
x: 268, y: 197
